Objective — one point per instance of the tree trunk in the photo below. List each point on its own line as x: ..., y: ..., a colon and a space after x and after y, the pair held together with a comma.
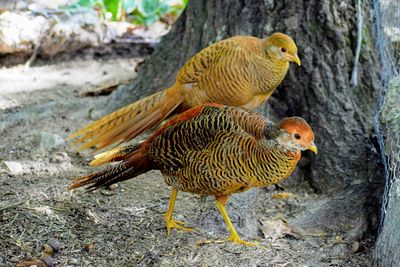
x: 341, y: 115
x: 387, y: 250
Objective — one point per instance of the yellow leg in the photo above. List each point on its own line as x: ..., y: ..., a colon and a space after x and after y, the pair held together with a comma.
x: 169, y: 221
x: 234, y: 237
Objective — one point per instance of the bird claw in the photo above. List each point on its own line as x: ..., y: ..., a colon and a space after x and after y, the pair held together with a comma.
x: 176, y: 224
x: 238, y: 240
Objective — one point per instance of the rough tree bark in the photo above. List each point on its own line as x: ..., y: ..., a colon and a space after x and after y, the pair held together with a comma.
x: 387, y: 249
x: 348, y: 166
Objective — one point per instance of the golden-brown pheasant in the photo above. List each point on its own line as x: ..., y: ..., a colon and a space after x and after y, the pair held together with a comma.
x: 241, y: 71
x: 210, y: 150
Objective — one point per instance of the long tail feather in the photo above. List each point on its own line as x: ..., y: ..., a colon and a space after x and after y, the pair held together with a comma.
x: 134, y: 164
x: 128, y: 122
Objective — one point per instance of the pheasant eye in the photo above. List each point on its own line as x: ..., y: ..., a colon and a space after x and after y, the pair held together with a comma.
x: 297, y: 136
x: 283, y: 49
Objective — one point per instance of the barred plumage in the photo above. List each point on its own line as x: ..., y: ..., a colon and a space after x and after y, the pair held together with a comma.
x: 241, y: 71
x: 211, y: 150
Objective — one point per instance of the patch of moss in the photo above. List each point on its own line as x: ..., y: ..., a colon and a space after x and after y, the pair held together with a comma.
x: 347, y: 40
x: 315, y: 28
x: 366, y: 40
x: 391, y: 109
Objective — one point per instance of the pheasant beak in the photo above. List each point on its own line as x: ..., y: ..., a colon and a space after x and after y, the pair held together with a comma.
x: 295, y: 58
x: 313, y: 148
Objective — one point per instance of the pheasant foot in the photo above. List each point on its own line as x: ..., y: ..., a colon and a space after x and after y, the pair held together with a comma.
x: 171, y: 223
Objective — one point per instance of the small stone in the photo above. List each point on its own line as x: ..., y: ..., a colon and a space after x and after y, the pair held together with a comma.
x: 89, y: 247
x: 49, y: 261
x: 14, y: 167
x: 113, y: 187
x: 47, y: 249
x: 355, y: 247
x: 179, y: 217
x: 60, y: 157
x: 55, y: 244
x: 48, y: 141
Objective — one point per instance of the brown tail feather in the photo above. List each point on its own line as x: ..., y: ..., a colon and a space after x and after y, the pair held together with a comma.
x: 135, y: 164
x: 130, y: 121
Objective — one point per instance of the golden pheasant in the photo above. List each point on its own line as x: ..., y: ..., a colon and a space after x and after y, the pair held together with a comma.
x: 241, y: 71
x: 210, y: 150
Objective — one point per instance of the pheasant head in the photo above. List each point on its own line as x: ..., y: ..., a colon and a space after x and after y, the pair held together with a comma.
x: 281, y: 47
x: 299, y: 135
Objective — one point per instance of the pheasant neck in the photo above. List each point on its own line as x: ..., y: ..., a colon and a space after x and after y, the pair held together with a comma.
x: 270, y: 73
x: 274, y: 165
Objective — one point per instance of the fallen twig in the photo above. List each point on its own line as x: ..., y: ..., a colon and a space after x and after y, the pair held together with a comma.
x: 11, y: 205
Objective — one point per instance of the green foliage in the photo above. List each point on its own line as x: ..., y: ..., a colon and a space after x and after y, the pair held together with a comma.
x: 114, y: 7
x: 148, y: 11
x: 142, y: 12
x: 87, y: 3
x: 129, y: 5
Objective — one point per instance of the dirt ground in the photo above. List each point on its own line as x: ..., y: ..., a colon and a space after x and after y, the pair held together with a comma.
x: 39, y: 108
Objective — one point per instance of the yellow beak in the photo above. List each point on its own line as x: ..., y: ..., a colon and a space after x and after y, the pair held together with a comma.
x: 295, y: 58
x: 313, y: 148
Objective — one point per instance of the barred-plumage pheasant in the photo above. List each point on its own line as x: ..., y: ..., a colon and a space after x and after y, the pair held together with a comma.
x: 242, y: 71
x: 211, y: 150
